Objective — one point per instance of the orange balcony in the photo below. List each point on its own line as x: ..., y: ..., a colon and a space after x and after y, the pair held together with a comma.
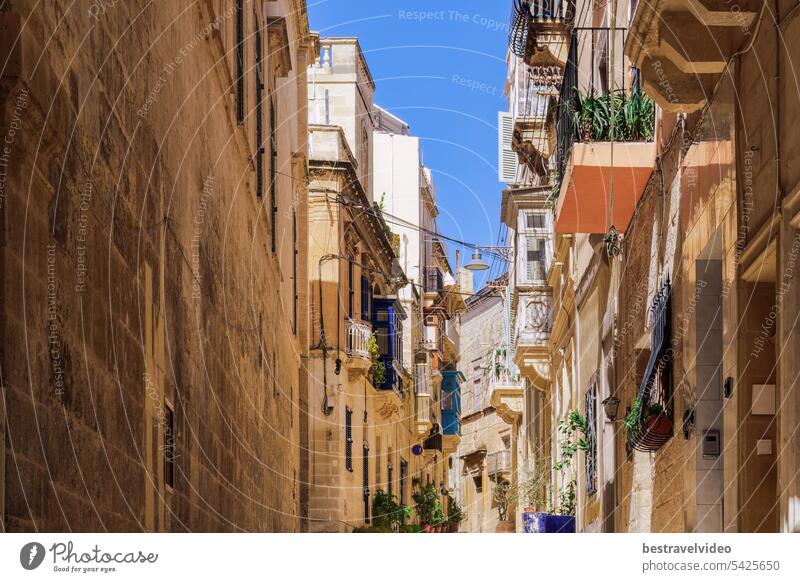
x: 584, y: 200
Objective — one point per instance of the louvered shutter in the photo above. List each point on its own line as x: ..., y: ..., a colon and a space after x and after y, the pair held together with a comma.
x: 507, y: 156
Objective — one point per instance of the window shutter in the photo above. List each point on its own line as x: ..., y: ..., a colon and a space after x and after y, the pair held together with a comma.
x: 508, y: 161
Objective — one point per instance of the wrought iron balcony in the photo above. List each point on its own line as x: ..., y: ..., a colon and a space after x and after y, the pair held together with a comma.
x: 498, y: 463
x: 588, y: 157
x: 538, y: 29
x: 650, y: 422
x: 358, y: 335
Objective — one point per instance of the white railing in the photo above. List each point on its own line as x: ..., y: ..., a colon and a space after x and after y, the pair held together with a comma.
x: 358, y: 335
x: 504, y: 379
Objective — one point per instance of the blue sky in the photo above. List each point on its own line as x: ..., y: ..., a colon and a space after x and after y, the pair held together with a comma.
x: 440, y: 66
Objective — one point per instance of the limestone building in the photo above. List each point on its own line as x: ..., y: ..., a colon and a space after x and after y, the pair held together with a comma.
x: 673, y: 335
x: 153, y: 253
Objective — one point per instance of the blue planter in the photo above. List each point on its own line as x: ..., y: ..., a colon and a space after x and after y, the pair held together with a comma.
x: 547, y: 523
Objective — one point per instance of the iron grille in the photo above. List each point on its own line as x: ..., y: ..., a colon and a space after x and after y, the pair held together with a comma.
x: 239, y: 61
x: 259, y: 115
x: 655, y: 397
x: 520, y: 27
x: 169, y: 446
x: 348, y: 439
x: 365, y: 479
x: 591, y: 439
x: 273, y: 169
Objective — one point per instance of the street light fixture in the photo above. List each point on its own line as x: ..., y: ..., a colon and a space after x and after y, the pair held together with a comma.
x: 611, y: 406
x: 477, y: 263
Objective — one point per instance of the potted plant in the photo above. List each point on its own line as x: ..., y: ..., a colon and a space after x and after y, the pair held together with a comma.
x: 387, y: 513
x: 656, y: 420
x: 428, y: 507
x: 455, y: 514
x: 439, y: 522
x: 503, y: 497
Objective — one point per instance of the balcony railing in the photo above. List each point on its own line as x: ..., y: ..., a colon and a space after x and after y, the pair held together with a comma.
x: 589, y: 49
x: 498, y: 463
x: 594, y: 148
x: 504, y: 379
x: 530, y: 17
x: 358, y: 335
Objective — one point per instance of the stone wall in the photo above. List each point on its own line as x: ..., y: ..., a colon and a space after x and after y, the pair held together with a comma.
x: 137, y: 274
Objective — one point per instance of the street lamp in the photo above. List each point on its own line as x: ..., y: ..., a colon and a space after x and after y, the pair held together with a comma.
x: 611, y: 406
x: 477, y: 263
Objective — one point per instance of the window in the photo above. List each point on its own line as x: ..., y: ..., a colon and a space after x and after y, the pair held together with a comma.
x: 389, y: 474
x: 365, y: 299
x: 239, y: 53
x: 169, y: 446
x: 477, y: 384
x: 351, y: 291
x: 294, y: 272
x: 535, y: 259
x: 403, y: 479
x: 534, y: 220
x: 273, y: 169
x: 591, y: 439
x: 348, y: 439
x: 365, y: 479
x: 365, y: 154
x: 535, y: 242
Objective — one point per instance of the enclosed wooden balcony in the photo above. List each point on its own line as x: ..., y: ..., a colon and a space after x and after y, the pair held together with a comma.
x: 681, y: 71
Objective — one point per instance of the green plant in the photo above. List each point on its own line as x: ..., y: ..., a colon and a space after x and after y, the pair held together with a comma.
x: 567, y: 498
x: 639, y: 114
x: 533, y: 490
x: 387, y: 512
x: 428, y: 505
x: 378, y: 368
x: 455, y: 513
x: 567, y: 428
x: 633, y: 115
x: 410, y: 528
x: 652, y: 410
x: 503, y: 497
x: 632, y: 420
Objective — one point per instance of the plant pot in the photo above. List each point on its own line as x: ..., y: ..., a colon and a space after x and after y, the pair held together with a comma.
x: 454, y: 527
x: 505, y: 527
x: 659, y: 425
x: 426, y: 528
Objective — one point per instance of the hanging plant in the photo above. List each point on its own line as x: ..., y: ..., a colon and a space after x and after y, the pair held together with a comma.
x: 378, y: 368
